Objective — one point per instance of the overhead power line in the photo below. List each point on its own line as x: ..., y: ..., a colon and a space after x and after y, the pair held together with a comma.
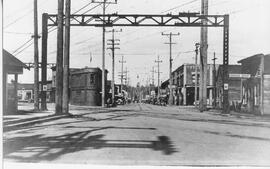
x: 181, y: 5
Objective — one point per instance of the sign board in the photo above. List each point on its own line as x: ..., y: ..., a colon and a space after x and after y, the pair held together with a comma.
x: 226, y: 86
x: 44, y: 87
x: 240, y: 75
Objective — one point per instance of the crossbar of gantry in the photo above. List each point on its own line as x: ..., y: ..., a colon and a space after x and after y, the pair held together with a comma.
x: 168, y: 20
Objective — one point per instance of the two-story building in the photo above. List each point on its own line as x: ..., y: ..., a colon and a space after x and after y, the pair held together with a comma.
x: 184, y: 84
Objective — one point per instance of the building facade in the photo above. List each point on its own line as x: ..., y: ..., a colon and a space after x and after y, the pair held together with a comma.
x: 86, y: 86
x: 11, y: 66
x: 256, y: 88
x: 184, y: 84
x: 235, y: 80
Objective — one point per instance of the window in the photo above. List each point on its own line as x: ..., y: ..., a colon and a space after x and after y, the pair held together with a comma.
x: 92, y: 78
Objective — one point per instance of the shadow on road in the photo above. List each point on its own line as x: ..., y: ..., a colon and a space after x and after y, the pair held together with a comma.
x: 38, y: 148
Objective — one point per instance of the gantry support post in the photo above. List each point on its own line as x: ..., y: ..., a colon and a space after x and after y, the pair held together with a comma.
x: 44, y: 60
x: 226, y: 104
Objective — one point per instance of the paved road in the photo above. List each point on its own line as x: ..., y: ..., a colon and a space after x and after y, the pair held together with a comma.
x: 142, y: 134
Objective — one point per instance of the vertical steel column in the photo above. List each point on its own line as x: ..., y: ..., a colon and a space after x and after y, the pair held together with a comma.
x: 59, y: 59
x: 66, y: 59
x: 226, y: 105
x: 44, y: 60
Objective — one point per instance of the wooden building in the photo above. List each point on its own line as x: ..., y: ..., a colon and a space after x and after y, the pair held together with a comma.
x: 256, y: 89
x: 11, y: 66
x: 235, y: 80
x: 85, y: 86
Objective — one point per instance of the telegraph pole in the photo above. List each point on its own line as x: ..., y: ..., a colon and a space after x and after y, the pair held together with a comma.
x: 126, y: 76
x: 59, y: 59
x: 122, y: 71
x: 197, y: 45
x: 66, y: 59
x: 158, y: 61
x: 214, y: 79
x: 203, y: 55
x: 170, y: 75
x: 36, y: 70
x: 113, y: 44
x: 153, y: 75
x: 104, y: 2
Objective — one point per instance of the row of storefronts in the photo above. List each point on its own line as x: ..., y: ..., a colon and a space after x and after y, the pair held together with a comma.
x: 249, y: 85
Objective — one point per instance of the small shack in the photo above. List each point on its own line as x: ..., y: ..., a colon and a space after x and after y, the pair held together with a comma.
x: 235, y: 81
x: 11, y: 66
x: 85, y: 86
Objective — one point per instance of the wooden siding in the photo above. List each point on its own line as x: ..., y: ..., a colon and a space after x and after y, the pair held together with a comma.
x: 267, y: 94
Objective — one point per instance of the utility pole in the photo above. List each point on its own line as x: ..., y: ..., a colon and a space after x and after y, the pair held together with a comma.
x: 214, y: 79
x: 66, y: 59
x: 158, y: 61
x: 59, y: 59
x: 113, y: 44
x: 170, y: 75
x: 126, y: 76
x: 122, y: 71
x: 153, y: 75
x: 197, y: 45
x: 104, y: 2
x: 36, y: 70
x: 44, y: 60
x: 203, y: 55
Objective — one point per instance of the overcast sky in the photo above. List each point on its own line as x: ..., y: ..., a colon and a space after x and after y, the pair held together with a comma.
x: 249, y: 34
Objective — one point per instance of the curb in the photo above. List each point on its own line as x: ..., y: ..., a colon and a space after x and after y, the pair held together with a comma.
x: 18, y: 125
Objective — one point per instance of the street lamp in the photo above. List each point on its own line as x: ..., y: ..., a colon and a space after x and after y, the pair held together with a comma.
x: 197, y: 45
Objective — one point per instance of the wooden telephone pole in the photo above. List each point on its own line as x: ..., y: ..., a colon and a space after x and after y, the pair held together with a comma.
x: 170, y: 75
x: 113, y: 47
x: 158, y: 61
x: 122, y: 71
x: 104, y: 2
x: 66, y: 59
x: 197, y: 45
x: 214, y: 80
x: 203, y: 56
x: 59, y: 59
x: 36, y: 70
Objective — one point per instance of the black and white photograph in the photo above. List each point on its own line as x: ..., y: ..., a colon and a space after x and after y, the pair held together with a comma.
x: 135, y: 83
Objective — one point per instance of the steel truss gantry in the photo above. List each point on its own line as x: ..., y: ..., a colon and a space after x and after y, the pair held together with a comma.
x: 110, y: 20
x: 167, y: 20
